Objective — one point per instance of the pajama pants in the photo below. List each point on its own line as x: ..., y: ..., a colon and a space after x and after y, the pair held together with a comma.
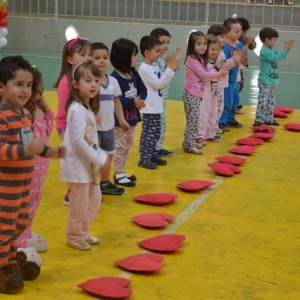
x: 150, y: 135
x: 163, y: 127
x: 265, y: 103
x: 192, y: 113
x: 85, y: 203
x: 124, y: 142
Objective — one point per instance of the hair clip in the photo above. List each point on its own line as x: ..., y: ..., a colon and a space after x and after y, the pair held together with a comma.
x: 75, y: 41
x: 33, y: 67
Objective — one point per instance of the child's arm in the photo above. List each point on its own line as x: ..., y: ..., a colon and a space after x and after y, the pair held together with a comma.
x: 120, y: 115
x: 48, y: 116
x: 62, y: 94
x: 274, y: 55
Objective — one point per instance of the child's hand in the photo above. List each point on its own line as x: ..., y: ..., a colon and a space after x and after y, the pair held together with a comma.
x: 249, y: 41
x: 173, y: 64
x: 289, y: 44
x: 220, y: 64
x: 177, y: 54
x: 36, y: 146
x: 124, y: 125
x: 56, y: 152
x: 224, y: 71
x: 236, y: 59
x: 139, y: 103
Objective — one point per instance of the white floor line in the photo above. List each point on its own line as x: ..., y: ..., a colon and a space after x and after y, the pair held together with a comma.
x: 185, y: 215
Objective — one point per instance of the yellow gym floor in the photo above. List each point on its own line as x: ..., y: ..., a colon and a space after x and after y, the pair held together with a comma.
x: 242, y: 234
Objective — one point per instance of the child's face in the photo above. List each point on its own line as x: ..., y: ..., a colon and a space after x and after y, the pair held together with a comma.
x: 221, y: 38
x: 153, y: 55
x: 234, y: 33
x: 270, y: 43
x: 133, y: 60
x: 88, y: 86
x: 80, y: 56
x: 100, y: 57
x: 17, y: 91
x: 213, y: 50
x: 165, y: 43
x: 200, y: 45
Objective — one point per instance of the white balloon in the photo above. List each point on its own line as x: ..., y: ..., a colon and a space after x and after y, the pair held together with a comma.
x: 3, y: 42
x: 3, y: 31
x: 71, y: 33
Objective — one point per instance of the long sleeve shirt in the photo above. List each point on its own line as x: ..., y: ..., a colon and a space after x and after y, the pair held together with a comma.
x: 62, y: 94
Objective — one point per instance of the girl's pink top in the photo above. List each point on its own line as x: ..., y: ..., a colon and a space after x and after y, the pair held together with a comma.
x: 43, y: 128
x: 195, y: 76
x: 62, y: 94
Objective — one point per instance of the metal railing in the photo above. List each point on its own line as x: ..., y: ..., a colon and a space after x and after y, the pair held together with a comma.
x: 202, y: 12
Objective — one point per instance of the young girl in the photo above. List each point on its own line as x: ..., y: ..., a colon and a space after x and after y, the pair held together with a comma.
x: 81, y: 166
x: 196, y: 74
x: 75, y: 51
x: 43, y: 125
x: 123, y: 58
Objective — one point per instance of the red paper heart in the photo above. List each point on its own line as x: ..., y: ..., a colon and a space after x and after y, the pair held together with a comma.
x: 156, y: 199
x: 153, y: 220
x: 234, y: 169
x: 263, y: 128
x: 285, y: 109
x: 221, y: 169
x: 163, y: 243
x: 245, y: 150
x: 266, y: 136
x: 109, y: 287
x: 249, y: 141
x: 145, y: 262
x: 279, y: 114
x: 231, y: 159
x: 194, y: 185
x: 292, y: 126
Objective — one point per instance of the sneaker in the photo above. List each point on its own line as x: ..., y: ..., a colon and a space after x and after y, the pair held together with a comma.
x: 109, y: 188
x: 239, y: 106
x: 147, y: 164
x: 164, y: 152
x: 215, y: 139
x: 235, y: 124
x: 67, y: 197
x: 158, y: 161
x: 193, y: 150
x: 224, y: 127
x: 258, y: 123
x: 219, y: 131
x: 124, y: 180
x: 79, y: 245
x: 92, y: 240
x: 200, y: 141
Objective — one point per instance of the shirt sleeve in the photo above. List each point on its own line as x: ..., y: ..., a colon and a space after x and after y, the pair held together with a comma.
x: 62, y: 94
x: 272, y: 54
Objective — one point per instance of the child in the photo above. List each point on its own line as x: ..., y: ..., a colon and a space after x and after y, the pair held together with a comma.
x: 75, y: 51
x: 17, y: 149
x: 81, y: 166
x: 109, y: 102
x: 123, y: 58
x: 165, y: 37
x: 268, y: 76
x: 43, y: 124
x: 231, y: 93
x: 196, y: 74
x: 155, y: 81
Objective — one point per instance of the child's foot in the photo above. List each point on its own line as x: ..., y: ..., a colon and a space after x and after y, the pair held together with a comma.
x: 235, y: 124
x: 124, y: 180
x: 92, y: 240
x: 272, y: 123
x: 29, y: 270
x: 10, y: 281
x: 108, y: 188
x: 164, y: 152
x: 193, y: 150
x: 79, y: 245
x: 224, y: 127
x: 147, y: 164
x: 157, y: 160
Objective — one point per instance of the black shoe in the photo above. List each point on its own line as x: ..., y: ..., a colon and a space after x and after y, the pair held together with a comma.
x: 224, y: 127
x: 235, y: 124
x: 239, y: 106
x: 258, y: 123
x: 147, y: 164
x: 164, y: 152
x: 157, y: 160
x: 109, y: 188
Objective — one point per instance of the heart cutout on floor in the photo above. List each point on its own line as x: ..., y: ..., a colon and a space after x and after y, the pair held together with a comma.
x: 279, y: 114
x: 231, y: 159
x: 153, y: 220
x: 155, y: 199
x: 285, y: 109
x: 249, y: 141
x: 109, y: 287
x: 145, y: 262
x: 194, y: 185
x: 244, y: 150
x: 263, y: 128
x: 221, y: 169
x: 292, y: 126
x: 163, y: 243
x: 266, y: 136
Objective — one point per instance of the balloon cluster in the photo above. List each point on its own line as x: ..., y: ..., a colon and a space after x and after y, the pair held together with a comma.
x: 3, y: 23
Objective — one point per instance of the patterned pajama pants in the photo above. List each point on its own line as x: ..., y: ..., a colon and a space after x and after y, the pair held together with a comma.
x: 192, y: 113
x: 124, y: 142
x: 150, y: 135
x: 85, y: 203
x: 265, y: 103
x: 163, y: 127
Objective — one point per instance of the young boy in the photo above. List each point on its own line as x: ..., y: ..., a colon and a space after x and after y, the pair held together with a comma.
x: 154, y: 81
x: 165, y: 38
x: 17, y: 149
x: 268, y: 76
x: 110, y: 103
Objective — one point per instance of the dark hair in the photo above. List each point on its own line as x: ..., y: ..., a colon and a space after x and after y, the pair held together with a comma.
x: 75, y: 45
x: 99, y: 46
x: 268, y: 33
x: 148, y: 42
x: 9, y: 65
x: 217, y: 29
x: 158, y: 32
x: 245, y: 24
x: 32, y: 103
x: 190, y: 51
x: 211, y: 39
x: 78, y: 73
x: 229, y: 22
x: 121, y: 53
